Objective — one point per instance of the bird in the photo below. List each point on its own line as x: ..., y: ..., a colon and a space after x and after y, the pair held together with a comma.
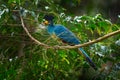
x: 65, y: 35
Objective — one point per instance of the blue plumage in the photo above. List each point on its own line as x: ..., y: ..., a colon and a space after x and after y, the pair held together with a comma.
x: 66, y: 36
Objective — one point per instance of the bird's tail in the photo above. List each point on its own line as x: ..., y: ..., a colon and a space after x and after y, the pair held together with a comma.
x: 88, y: 58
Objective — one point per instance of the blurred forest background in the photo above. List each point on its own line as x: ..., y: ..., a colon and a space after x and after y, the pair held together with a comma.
x: 22, y: 59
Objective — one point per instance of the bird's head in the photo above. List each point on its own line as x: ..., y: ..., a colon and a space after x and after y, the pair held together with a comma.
x: 48, y: 19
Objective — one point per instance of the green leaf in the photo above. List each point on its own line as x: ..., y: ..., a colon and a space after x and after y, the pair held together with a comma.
x: 14, y: 1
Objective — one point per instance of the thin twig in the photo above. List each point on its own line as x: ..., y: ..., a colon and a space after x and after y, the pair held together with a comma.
x: 30, y: 10
x: 11, y: 24
x: 68, y: 47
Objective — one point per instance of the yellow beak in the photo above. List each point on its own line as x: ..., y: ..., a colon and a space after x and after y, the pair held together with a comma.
x: 46, y: 22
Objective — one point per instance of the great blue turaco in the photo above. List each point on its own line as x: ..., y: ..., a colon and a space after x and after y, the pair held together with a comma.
x: 65, y: 35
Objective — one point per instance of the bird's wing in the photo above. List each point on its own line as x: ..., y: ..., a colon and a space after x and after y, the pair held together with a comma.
x: 66, y: 35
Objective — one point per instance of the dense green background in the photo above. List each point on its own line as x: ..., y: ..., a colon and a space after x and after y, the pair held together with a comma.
x: 22, y: 59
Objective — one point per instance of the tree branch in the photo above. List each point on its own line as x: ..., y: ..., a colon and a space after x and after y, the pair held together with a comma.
x: 68, y: 47
x: 35, y: 40
x: 91, y: 42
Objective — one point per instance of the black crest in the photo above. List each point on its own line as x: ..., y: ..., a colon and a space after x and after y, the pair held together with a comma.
x: 48, y: 17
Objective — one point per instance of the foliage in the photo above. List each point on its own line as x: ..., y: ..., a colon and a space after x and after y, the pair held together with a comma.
x: 22, y: 59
